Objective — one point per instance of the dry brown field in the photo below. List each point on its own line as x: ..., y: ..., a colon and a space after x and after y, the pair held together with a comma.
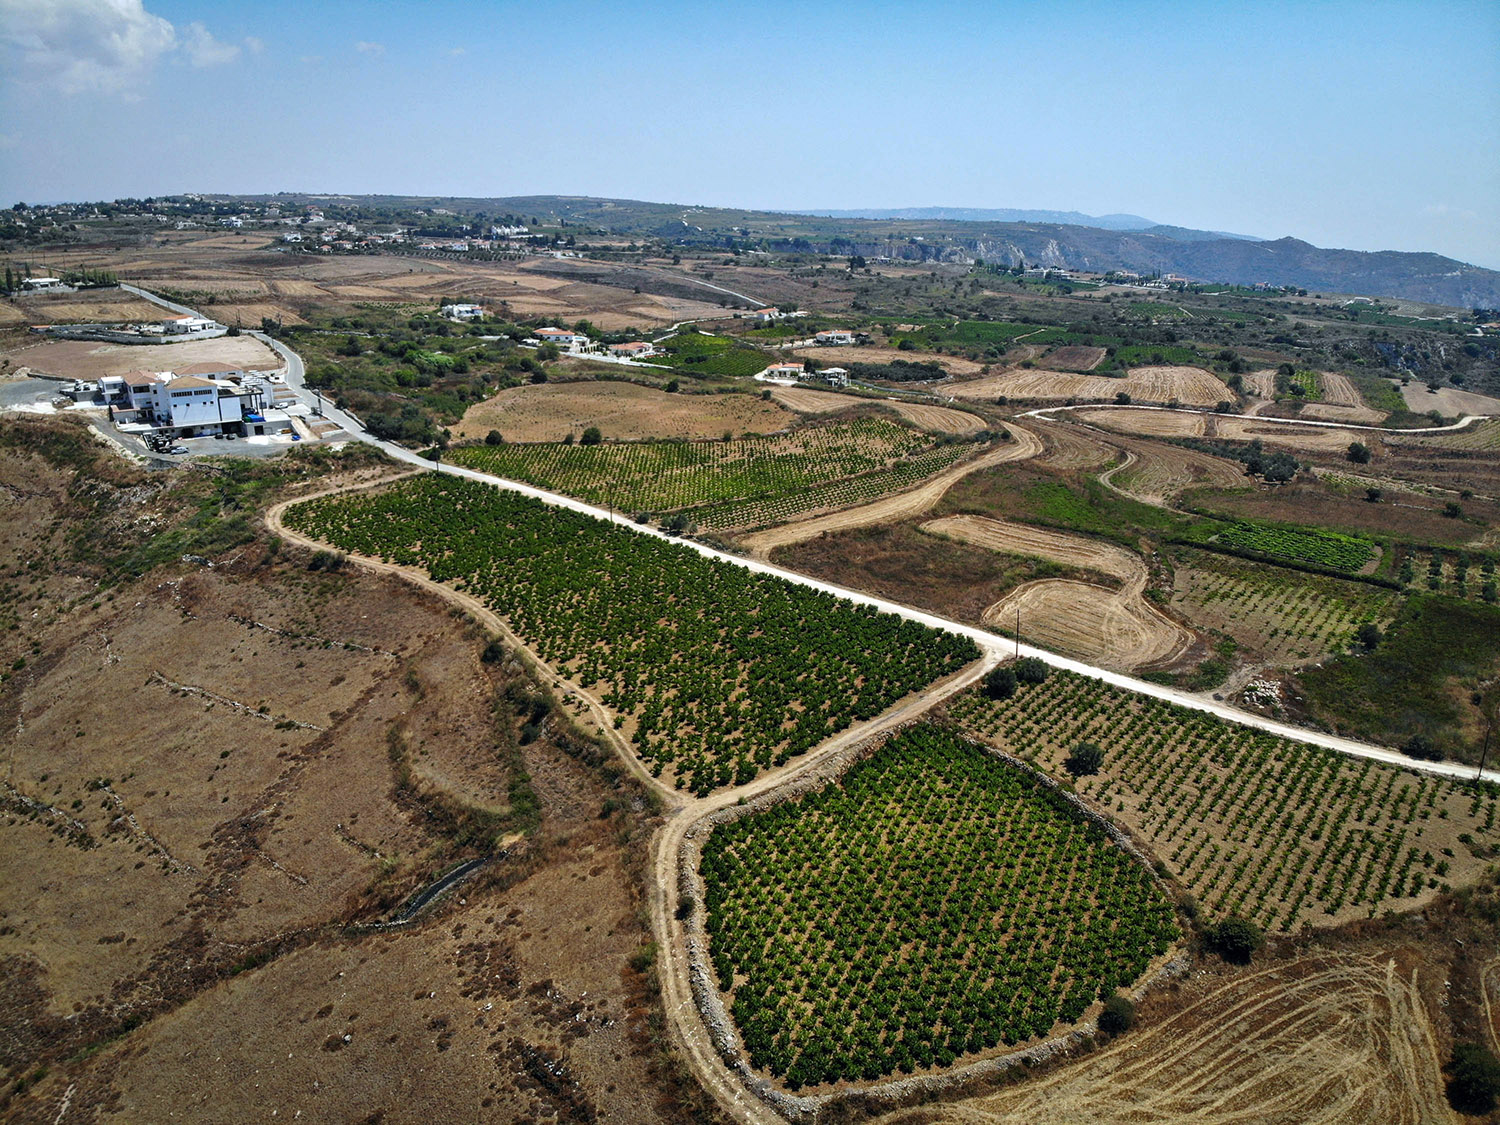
x: 1071, y: 447
x: 1145, y: 423
x: 87, y: 359
x: 1075, y: 357
x: 622, y: 411
x: 1191, y: 386
x: 842, y: 357
x: 85, y: 307
x: 1449, y: 400
x: 211, y: 772
x: 938, y: 419
x: 805, y: 400
x: 1155, y: 472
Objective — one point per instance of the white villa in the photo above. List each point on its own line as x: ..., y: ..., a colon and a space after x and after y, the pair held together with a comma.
x: 834, y: 336
x: 198, y: 401
x: 562, y: 337
x: 463, y: 312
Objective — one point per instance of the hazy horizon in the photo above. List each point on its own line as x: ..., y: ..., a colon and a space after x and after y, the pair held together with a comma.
x: 1355, y: 126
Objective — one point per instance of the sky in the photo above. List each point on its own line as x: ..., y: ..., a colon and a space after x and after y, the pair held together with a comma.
x: 1362, y: 125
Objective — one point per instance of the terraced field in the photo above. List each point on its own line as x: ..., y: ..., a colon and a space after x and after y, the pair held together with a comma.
x: 1250, y: 823
x: 1191, y: 386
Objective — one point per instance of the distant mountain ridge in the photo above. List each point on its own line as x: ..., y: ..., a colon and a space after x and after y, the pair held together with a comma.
x: 1207, y: 256
x: 990, y: 215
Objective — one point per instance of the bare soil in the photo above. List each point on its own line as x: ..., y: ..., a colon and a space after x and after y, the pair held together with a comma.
x: 86, y: 359
x: 1448, y: 400
x: 842, y: 357
x: 622, y: 411
x: 86, y: 306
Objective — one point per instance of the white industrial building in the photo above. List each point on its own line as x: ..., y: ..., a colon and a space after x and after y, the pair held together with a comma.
x: 463, y: 312
x: 182, y: 404
x: 562, y: 337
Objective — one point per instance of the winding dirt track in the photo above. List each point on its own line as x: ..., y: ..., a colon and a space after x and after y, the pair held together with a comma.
x: 1117, y: 628
x: 1023, y: 444
x: 1345, y: 1041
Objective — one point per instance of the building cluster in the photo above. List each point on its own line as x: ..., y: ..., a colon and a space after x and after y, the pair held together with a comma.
x: 796, y: 371
x: 200, y: 400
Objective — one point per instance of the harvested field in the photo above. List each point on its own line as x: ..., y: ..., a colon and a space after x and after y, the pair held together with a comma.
x: 1327, y: 1040
x: 622, y: 411
x: 843, y: 357
x: 86, y: 359
x: 1262, y: 383
x: 938, y: 419
x: 1341, y: 402
x: 1303, y: 439
x: 1075, y: 357
x: 1483, y: 435
x: 85, y: 307
x: 1117, y: 628
x: 1023, y: 444
x: 1146, y: 423
x: 1448, y: 400
x: 809, y: 401
x: 1075, y: 447
x: 1191, y: 386
x: 1154, y: 473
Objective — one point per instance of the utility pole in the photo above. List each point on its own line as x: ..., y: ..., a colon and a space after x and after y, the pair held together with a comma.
x: 1484, y: 753
x: 1018, y: 630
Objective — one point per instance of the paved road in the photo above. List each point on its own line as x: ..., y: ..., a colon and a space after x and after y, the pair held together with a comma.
x: 1043, y: 413
x: 987, y: 641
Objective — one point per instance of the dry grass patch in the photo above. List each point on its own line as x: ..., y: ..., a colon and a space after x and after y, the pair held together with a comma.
x: 86, y: 359
x: 622, y: 411
x: 1191, y: 386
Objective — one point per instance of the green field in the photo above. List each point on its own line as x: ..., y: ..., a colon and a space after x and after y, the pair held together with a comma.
x: 934, y: 902
x: 752, y: 479
x: 1276, y: 830
x: 717, y: 672
x: 1323, y: 550
x: 694, y: 353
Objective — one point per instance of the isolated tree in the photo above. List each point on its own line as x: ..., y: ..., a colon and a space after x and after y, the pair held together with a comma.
x: 1235, y: 939
x: 1359, y: 453
x: 494, y: 438
x: 673, y: 385
x: 1001, y: 683
x: 1086, y: 758
x: 1421, y: 747
x: 1373, y: 495
x: 591, y: 436
x: 1118, y: 1015
x: 1473, y: 1079
x: 1369, y: 634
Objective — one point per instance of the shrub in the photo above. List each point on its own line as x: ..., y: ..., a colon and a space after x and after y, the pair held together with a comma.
x: 493, y: 653
x: 591, y: 436
x: 1235, y: 939
x: 1118, y: 1015
x: 493, y: 438
x: 1086, y: 758
x: 1369, y: 634
x: 1474, y: 1078
x: 1419, y: 746
x: 1359, y: 453
x: 1031, y: 670
x: 1001, y: 683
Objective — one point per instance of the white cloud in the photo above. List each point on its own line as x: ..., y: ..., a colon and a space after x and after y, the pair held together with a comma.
x: 254, y: 44
x: 365, y: 48
x: 204, y: 50
x: 85, y: 45
x: 100, y: 46
x: 458, y: 51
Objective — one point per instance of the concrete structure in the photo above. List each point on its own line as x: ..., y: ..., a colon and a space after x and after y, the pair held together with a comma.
x: 562, y: 337
x: 41, y: 284
x: 765, y: 316
x: 832, y: 337
x: 188, y: 325
x: 834, y: 376
x: 633, y: 349
x: 463, y: 312
x: 797, y: 370
x: 186, y: 405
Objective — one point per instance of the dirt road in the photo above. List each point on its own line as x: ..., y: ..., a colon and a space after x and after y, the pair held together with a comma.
x: 1118, y: 628
x: 760, y: 544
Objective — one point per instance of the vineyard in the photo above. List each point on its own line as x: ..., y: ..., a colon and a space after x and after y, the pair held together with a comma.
x: 750, y: 480
x: 1279, y: 831
x: 1280, y: 615
x: 715, y: 672
x: 933, y: 903
x: 1482, y: 435
x: 1326, y: 550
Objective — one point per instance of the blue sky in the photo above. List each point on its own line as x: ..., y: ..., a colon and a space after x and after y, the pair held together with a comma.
x: 1362, y: 125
